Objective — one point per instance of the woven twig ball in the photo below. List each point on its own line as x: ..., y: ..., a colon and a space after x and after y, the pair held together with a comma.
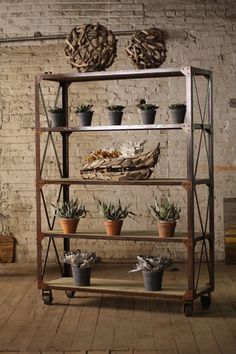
x: 147, y: 48
x: 91, y: 47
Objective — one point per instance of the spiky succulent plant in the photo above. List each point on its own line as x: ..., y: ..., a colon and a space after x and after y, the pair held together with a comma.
x: 114, y: 211
x: 71, y: 210
x: 177, y: 106
x: 115, y: 108
x: 165, y: 210
x: 144, y: 106
x: 84, y: 108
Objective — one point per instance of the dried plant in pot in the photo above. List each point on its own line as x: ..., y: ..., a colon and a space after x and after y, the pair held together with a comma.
x: 85, y: 114
x: 114, y: 215
x: 152, y: 268
x: 69, y: 214
x: 115, y: 114
x: 81, y: 264
x: 166, y: 213
x: 148, y: 111
x: 57, y: 117
x: 177, y: 112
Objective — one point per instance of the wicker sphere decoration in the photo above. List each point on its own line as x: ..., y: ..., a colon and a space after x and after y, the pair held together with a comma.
x: 91, y: 47
x: 147, y: 48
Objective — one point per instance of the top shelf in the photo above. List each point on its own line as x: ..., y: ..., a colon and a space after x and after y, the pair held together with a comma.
x: 124, y: 74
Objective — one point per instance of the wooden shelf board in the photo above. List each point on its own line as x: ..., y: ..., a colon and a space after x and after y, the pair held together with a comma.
x: 132, y: 236
x: 124, y: 74
x: 114, y: 286
x: 125, y: 236
x: 125, y: 127
x: 148, y: 182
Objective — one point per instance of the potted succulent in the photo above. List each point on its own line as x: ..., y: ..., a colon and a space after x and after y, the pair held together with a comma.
x: 69, y: 214
x: 177, y: 112
x: 85, y: 114
x: 166, y: 213
x: 114, y: 215
x: 57, y: 117
x: 81, y: 264
x: 152, y: 268
x: 115, y: 113
x: 148, y: 111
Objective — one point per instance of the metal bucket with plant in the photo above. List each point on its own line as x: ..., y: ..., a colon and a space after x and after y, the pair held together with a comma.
x: 85, y: 114
x: 115, y: 114
x: 148, y: 111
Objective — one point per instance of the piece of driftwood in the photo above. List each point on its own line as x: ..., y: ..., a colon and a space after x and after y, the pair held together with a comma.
x: 147, y: 48
x: 135, y: 167
x: 91, y: 47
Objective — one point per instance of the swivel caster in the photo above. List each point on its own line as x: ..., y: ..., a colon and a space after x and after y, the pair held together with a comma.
x: 188, y: 309
x: 47, y: 297
x: 206, y: 301
x: 70, y: 293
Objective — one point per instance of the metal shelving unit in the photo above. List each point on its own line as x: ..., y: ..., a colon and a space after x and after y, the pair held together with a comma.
x: 203, y: 241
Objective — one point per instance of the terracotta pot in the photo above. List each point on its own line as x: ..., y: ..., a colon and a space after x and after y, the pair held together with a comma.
x: 113, y: 227
x: 69, y: 226
x: 166, y: 229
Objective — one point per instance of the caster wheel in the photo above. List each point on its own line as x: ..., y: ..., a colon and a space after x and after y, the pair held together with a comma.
x: 188, y: 309
x: 206, y: 301
x: 70, y: 293
x: 47, y: 297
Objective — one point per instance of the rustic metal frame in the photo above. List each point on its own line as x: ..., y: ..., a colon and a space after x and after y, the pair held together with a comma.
x: 190, y: 183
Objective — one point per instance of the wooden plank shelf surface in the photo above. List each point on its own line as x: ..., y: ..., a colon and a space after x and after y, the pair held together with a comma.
x: 141, y: 182
x: 125, y: 127
x: 125, y: 236
x: 115, y: 286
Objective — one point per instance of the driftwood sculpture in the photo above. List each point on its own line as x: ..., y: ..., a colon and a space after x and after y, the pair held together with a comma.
x: 135, y: 167
x: 91, y: 47
x: 147, y: 48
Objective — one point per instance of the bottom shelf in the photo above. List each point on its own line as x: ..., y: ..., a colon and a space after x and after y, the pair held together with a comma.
x: 115, y: 286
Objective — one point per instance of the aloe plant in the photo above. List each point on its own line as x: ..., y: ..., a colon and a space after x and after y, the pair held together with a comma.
x: 71, y: 210
x: 152, y: 263
x: 80, y: 259
x: 177, y: 106
x: 84, y: 108
x: 114, y: 211
x: 115, y: 108
x: 55, y: 110
x: 165, y: 210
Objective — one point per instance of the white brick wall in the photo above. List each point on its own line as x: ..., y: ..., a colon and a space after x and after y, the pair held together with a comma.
x: 201, y: 33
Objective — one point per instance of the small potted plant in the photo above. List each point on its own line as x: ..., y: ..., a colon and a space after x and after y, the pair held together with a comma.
x: 152, y: 268
x: 148, y: 111
x: 57, y: 117
x: 114, y: 215
x: 166, y: 213
x: 177, y: 112
x: 81, y: 264
x: 85, y: 114
x: 69, y: 214
x: 115, y: 114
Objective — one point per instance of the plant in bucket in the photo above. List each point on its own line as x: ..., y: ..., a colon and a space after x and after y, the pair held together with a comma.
x: 114, y: 215
x: 85, y: 114
x: 69, y: 214
x: 166, y: 213
x: 177, y: 112
x: 81, y: 264
x: 56, y: 116
x: 115, y: 113
x: 148, y: 111
x: 152, y: 268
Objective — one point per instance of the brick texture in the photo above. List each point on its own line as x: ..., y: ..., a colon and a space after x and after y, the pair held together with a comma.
x: 201, y: 33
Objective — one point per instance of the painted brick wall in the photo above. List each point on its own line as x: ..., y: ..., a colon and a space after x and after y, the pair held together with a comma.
x: 201, y: 33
